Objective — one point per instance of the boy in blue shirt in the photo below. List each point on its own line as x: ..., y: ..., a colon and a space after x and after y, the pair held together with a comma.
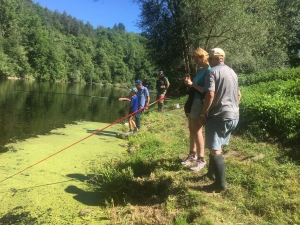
x: 134, y: 106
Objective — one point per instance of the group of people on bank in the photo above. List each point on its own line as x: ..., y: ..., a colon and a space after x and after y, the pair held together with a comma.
x: 213, y: 101
x: 139, y: 98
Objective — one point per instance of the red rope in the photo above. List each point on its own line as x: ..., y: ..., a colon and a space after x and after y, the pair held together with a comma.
x: 96, y: 132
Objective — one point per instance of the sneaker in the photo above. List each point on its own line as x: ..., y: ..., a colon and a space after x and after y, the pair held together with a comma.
x: 199, y: 165
x: 130, y: 132
x: 136, y: 129
x: 191, y: 158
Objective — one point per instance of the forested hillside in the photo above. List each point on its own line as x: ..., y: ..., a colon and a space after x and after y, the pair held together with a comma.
x: 257, y: 36
x: 38, y: 43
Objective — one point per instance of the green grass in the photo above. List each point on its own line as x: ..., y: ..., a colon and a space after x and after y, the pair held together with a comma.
x: 149, y: 185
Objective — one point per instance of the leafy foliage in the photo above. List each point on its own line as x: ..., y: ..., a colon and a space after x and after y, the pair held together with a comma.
x: 272, y: 109
x: 252, y: 34
x: 38, y: 43
x: 288, y: 74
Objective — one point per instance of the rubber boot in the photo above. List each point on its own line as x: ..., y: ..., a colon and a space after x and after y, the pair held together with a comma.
x: 220, y: 182
x: 160, y: 107
x: 211, y: 170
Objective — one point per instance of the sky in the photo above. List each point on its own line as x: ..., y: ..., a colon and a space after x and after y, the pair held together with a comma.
x: 104, y: 13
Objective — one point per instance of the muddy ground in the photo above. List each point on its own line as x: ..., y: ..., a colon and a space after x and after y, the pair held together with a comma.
x: 55, y: 190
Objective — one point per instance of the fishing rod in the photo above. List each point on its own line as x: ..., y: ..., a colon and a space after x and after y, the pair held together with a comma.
x: 96, y: 132
x: 92, y: 96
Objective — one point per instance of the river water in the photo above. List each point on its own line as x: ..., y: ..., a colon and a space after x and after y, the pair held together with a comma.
x: 29, y: 108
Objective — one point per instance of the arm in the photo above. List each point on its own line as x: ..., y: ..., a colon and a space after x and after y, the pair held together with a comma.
x: 167, y: 85
x: 239, y: 96
x: 209, y: 97
x: 124, y: 99
x: 189, y: 82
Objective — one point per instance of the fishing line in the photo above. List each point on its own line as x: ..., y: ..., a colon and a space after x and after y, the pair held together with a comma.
x: 54, y: 93
x: 96, y: 132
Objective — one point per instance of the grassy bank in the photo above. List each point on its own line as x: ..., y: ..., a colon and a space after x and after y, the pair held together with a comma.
x: 150, y: 186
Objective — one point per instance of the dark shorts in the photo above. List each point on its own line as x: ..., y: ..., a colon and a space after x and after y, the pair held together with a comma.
x: 217, y: 133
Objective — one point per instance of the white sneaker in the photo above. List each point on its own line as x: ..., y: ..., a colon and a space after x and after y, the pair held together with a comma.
x: 189, y: 159
x: 199, y: 165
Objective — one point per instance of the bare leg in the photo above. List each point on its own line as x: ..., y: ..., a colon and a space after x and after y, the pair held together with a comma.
x: 192, y: 154
x: 198, y: 137
x: 130, y: 123
x: 193, y: 146
x: 133, y: 125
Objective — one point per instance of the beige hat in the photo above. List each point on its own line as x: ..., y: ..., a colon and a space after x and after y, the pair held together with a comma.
x: 216, y: 53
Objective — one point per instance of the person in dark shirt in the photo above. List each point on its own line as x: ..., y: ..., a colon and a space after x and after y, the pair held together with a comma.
x: 146, y: 84
x: 162, y: 84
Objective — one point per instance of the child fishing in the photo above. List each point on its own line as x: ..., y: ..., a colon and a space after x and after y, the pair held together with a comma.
x: 132, y: 108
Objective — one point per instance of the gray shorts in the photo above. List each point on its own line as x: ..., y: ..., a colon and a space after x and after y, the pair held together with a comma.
x: 196, y: 108
x: 217, y: 132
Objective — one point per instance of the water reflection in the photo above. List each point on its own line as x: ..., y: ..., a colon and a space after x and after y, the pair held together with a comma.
x: 29, y: 108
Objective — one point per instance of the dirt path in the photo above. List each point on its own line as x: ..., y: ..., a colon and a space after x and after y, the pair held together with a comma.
x: 54, y: 191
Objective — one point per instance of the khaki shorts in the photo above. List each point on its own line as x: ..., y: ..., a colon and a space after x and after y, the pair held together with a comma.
x: 160, y: 96
x: 196, y: 108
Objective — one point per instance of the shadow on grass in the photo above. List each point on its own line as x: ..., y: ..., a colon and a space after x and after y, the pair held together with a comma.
x: 135, y: 182
x: 142, y: 168
x: 293, y: 153
x: 90, y: 198
x: 18, y: 216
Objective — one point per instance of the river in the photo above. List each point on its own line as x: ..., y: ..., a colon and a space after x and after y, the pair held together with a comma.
x: 40, y: 120
x: 30, y: 108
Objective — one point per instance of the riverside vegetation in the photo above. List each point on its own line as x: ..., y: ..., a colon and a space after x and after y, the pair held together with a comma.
x: 150, y: 186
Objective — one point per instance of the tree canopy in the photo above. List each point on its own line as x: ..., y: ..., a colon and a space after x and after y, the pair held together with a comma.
x: 38, y: 43
x: 257, y: 35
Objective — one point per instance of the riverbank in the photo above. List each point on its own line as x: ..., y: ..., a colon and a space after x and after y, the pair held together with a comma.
x: 150, y: 186
x: 146, y: 183
x: 55, y: 191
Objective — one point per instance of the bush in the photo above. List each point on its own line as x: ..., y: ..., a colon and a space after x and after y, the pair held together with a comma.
x: 272, y: 109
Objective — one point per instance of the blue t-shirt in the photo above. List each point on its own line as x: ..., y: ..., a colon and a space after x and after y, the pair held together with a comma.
x: 199, y: 79
x: 142, y: 95
x: 134, y: 104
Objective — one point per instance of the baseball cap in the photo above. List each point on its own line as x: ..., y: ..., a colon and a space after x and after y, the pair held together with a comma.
x: 161, y: 72
x: 138, y: 82
x: 216, y: 52
x: 134, y: 90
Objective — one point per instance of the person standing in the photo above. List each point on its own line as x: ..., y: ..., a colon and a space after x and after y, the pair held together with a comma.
x: 132, y: 108
x: 146, y: 83
x: 143, y: 101
x: 220, y: 113
x: 196, y: 154
x: 162, y: 84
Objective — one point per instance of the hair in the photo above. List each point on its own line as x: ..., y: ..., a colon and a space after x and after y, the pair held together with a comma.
x: 201, y: 51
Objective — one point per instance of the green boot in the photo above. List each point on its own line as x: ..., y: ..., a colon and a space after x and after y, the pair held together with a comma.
x: 211, y: 170
x: 220, y: 182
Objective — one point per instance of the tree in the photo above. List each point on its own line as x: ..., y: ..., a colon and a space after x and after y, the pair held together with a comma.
x: 119, y: 27
x: 248, y: 31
